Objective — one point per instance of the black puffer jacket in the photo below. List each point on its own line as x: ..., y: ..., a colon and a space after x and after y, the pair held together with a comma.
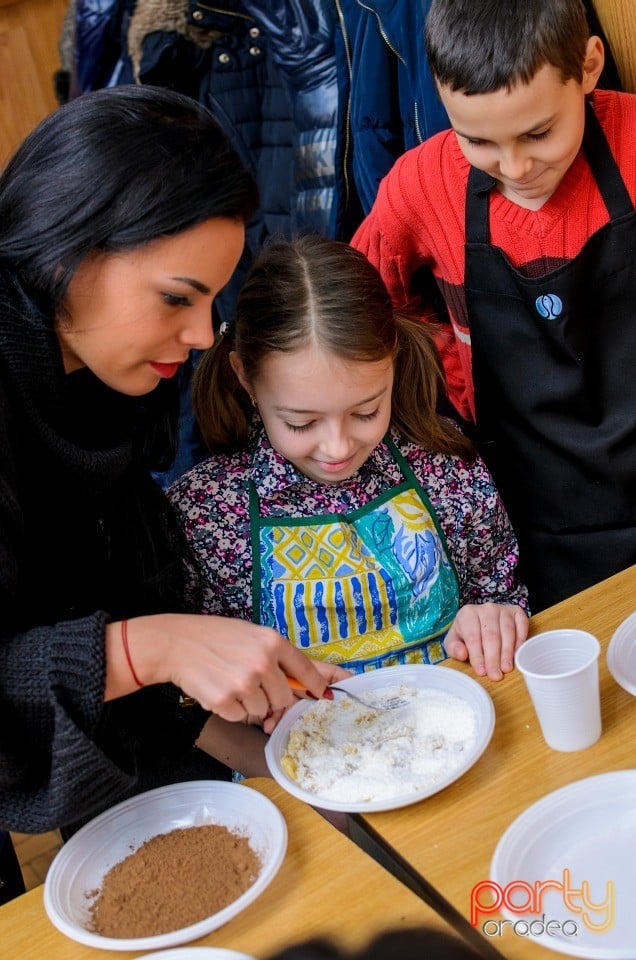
x: 266, y: 69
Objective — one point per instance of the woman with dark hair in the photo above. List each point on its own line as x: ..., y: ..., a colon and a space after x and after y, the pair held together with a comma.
x: 121, y: 217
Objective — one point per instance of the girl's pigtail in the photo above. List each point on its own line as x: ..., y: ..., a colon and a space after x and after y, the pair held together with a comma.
x: 221, y: 405
x: 418, y: 382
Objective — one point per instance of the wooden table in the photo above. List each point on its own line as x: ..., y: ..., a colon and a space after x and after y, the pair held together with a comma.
x: 326, y: 887
x: 450, y: 837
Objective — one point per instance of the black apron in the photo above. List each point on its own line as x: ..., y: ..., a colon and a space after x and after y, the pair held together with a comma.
x: 554, y: 367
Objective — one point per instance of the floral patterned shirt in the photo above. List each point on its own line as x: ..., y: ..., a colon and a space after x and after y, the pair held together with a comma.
x: 213, y: 501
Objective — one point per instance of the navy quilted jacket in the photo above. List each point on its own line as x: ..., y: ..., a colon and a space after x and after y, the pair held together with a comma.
x: 387, y: 94
x: 265, y: 69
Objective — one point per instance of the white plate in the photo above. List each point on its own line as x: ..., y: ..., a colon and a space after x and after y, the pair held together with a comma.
x: 621, y: 656
x: 83, y: 861
x: 589, y: 829
x: 423, y: 676
x: 196, y: 953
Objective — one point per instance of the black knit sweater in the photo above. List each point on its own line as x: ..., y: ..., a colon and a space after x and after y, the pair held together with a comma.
x: 86, y: 536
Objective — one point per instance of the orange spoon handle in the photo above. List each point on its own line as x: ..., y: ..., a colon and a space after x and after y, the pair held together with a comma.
x: 297, y: 685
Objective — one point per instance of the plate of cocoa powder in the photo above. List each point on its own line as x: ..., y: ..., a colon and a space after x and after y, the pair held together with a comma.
x: 165, y: 867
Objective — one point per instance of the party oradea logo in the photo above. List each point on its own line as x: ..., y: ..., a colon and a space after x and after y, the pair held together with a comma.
x: 528, y: 902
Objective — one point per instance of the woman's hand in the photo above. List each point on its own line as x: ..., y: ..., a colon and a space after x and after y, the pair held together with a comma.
x: 232, y: 667
x: 487, y: 635
x: 331, y: 674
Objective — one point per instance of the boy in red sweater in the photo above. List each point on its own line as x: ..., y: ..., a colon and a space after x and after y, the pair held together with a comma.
x: 524, y: 213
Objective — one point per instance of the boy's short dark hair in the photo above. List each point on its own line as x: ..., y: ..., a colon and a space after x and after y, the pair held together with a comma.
x: 479, y: 46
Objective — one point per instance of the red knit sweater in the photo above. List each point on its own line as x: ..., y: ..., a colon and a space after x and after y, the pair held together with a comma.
x: 418, y: 218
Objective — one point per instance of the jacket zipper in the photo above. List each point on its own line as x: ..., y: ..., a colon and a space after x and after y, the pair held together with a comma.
x: 347, y: 145
x: 416, y: 120
x: 227, y: 13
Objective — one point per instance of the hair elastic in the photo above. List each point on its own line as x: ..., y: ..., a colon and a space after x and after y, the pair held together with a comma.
x: 124, y: 640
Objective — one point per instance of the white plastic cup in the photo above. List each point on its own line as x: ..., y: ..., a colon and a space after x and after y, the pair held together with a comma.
x: 560, y: 668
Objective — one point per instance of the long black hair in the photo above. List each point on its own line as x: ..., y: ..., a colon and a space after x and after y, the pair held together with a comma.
x: 112, y: 171
x: 109, y: 172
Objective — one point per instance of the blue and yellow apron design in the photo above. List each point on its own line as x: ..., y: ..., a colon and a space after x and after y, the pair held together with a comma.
x: 369, y: 588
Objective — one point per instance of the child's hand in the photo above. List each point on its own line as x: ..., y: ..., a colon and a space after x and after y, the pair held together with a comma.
x: 487, y: 635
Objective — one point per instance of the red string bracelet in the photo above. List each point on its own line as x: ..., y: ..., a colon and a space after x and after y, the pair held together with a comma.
x: 124, y: 640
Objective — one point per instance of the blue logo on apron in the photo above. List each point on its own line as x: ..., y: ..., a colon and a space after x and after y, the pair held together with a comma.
x: 549, y: 306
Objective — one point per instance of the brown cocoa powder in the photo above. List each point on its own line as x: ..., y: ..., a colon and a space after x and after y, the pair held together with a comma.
x: 172, y: 880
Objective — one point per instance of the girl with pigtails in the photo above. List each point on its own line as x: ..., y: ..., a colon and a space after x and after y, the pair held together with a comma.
x: 338, y: 506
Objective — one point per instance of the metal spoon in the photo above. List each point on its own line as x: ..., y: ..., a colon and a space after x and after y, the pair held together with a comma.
x: 391, y: 704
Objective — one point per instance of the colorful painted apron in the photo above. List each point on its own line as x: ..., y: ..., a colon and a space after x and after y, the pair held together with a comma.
x: 366, y: 589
